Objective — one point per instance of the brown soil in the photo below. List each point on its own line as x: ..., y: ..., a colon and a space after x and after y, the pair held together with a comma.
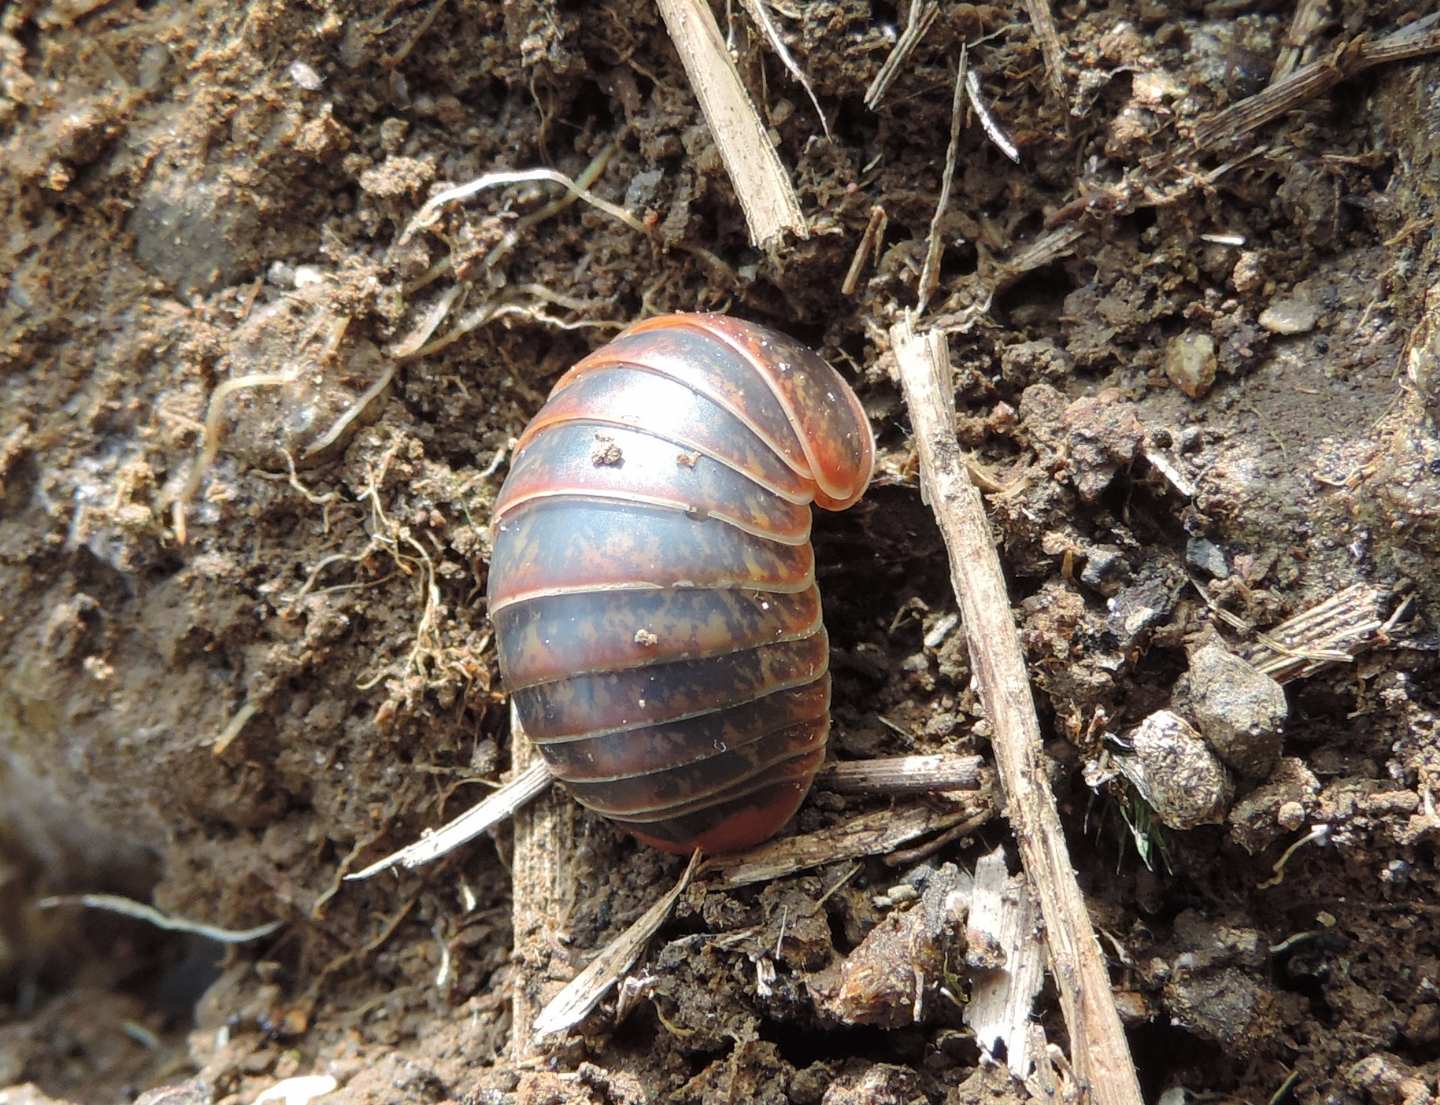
x: 195, y: 192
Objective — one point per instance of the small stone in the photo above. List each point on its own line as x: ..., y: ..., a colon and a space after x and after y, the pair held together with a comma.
x: 192, y: 232
x: 1239, y: 711
x: 641, y: 192
x: 305, y: 76
x: 1423, y: 1025
x: 1226, y: 1006
x: 1030, y: 362
x: 1249, y: 272
x: 393, y: 132
x: 1105, y: 569
x: 1290, y: 316
x: 307, y: 276
x: 1191, y: 438
x: 1278, y: 806
x: 1206, y: 557
x: 1190, y: 363
x: 1143, y: 605
x: 1175, y: 771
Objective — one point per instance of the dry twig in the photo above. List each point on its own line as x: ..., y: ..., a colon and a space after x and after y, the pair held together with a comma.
x: 761, y: 15
x: 497, y: 806
x: 988, y: 123
x: 1098, y: 1046
x: 922, y: 14
x: 903, y: 775
x: 1310, y: 16
x: 583, y: 992
x: 869, y: 240
x: 1049, y: 38
x: 766, y: 195
x: 934, y: 246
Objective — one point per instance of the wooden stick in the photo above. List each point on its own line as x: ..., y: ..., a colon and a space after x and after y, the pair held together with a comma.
x: 765, y: 192
x: 544, y: 877
x: 1098, y: 1047
x: 922, y: 14
x: 903, y: 775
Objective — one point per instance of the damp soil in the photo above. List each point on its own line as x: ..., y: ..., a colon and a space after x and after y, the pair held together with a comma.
x: 224, y: 724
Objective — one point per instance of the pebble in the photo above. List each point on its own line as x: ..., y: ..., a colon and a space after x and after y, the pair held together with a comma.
x: 305, y: 76
x: 1207, y: 557
x: 1105, y: 569
x: 1290, y: 316
x: 1190, y: 363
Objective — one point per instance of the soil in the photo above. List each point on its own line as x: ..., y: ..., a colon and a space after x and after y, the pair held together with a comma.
x: 200, y: 192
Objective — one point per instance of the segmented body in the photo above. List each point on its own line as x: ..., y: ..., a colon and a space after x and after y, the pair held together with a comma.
x: 652, y: 583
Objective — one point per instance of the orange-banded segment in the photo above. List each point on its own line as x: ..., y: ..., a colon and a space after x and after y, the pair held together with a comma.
x: 785, y: 393
x: 557, y: 636
x: 593, y: 460
x: 675, y: 791
x: 827, y: 416
x: 623, y: 754
x: 736, y: 821
x: 636, y: 399
x: 583, y: 705
x: 559, y: 546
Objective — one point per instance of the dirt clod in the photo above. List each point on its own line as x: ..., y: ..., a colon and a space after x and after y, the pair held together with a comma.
x: 1176, y: 772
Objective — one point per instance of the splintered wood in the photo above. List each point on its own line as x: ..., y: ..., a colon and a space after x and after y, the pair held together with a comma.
x: 1334, y: 632
x: 766, y: 195
x: 1050, y: 49
x: 1100, y: 1052
x: 1007, y: 953
x: 583, y: 992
